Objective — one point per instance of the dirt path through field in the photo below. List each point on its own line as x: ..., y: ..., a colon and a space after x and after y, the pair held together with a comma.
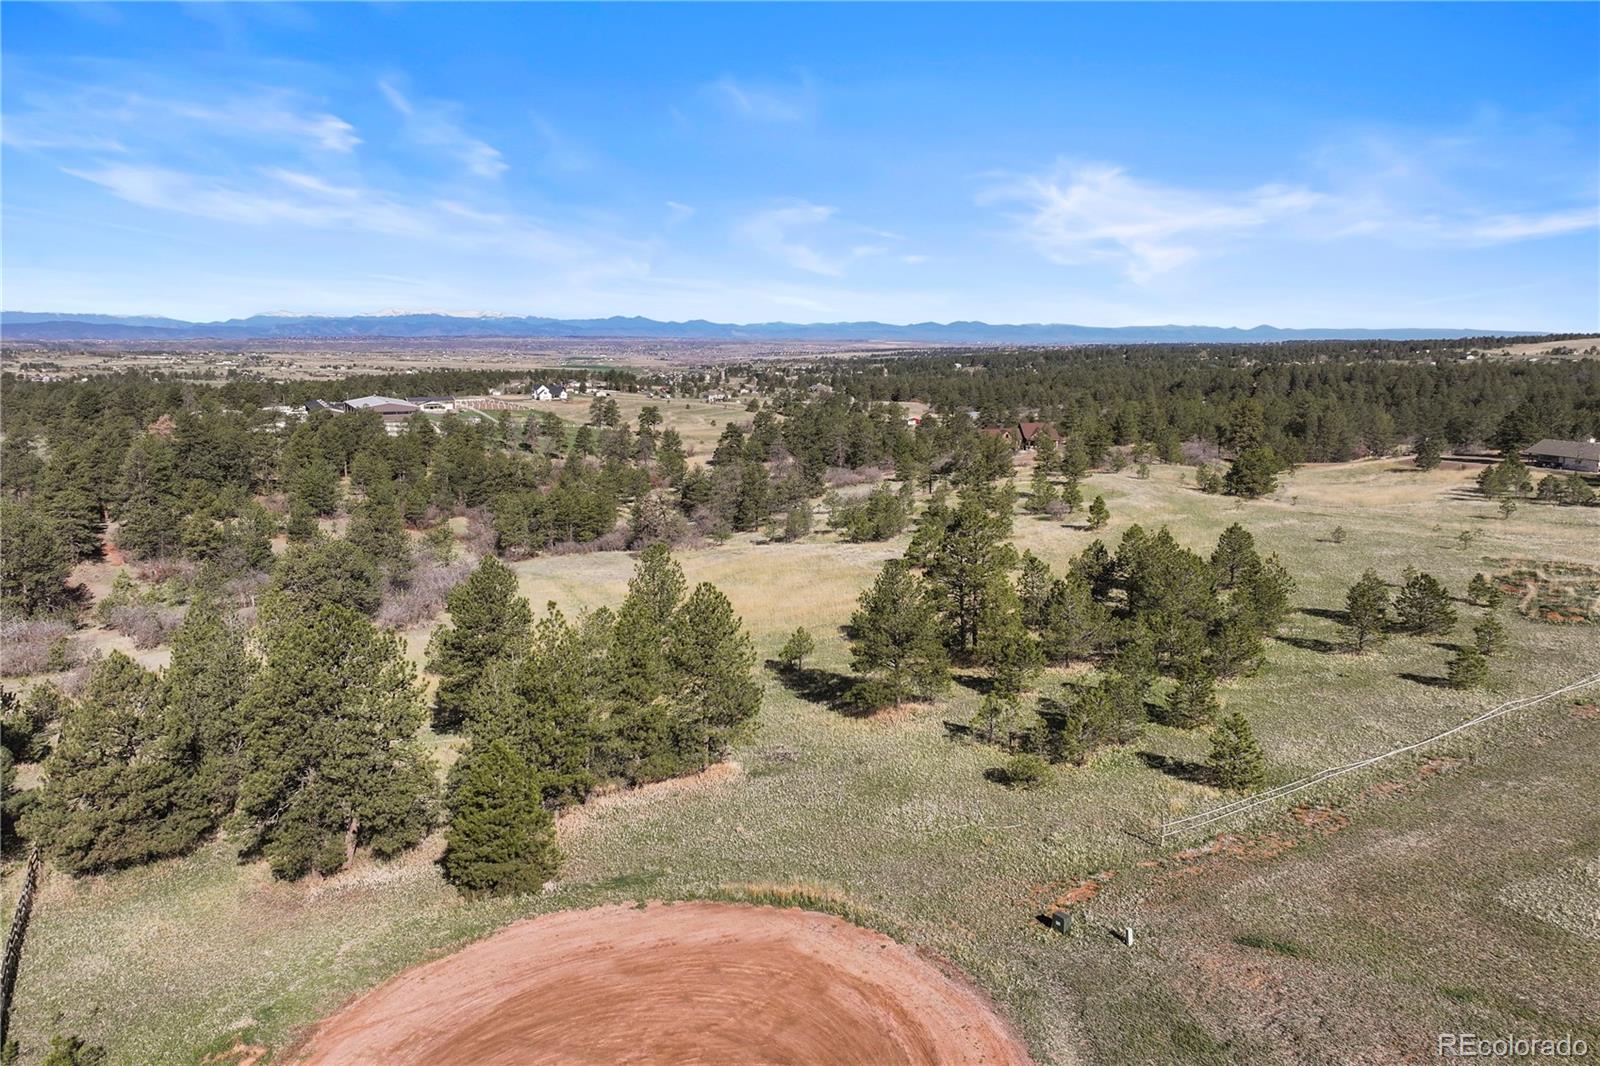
x: 689, y: 983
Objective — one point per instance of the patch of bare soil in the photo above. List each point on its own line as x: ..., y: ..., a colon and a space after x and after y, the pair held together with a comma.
x: 693, y: 983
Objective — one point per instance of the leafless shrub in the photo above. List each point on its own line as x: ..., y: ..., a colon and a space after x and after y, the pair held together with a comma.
x: 839, y: 477
x: 614, y: 541
x: 34, y: 647
x: 1196, y: 452
x: 480, y: 536
x: 1057, y: 508
x: 421, y: 595
x: 147, y: 624
x: 160, y: 570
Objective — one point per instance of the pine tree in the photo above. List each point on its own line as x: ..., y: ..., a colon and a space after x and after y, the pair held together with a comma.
x: 1264, y: 592
x: 1193, y: 703
x: 488, y: 620
x: 1042, y: 493
x: 324, y: 573
x: 1253, y: 474
x: 544, y: 705
x: 962, y: 567
x: 1236, y: 762
x: 204, y: 687
x: 638, y: 668
x: 377, y: 528
x: 121, y: 786
x: 794, y: 651
x: 1366, y: 609
x: 1489, y: 635
x: 330, y: 744
x: 1005, y: 648
x: 1423, y: 606
x: 1468, y: 668
x: 1099, y: 513
x: 1430, y: 452
x: 711, y: 664
x: 502, y: 840
x: 1072, y: 624
x: 997, y: 718
x: 1483, y: 592
x: 1033, y: 589
x: 1234, y: 557
x: 34, y: 562
x: 895, y: 635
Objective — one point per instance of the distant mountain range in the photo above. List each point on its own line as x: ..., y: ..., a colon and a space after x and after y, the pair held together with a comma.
x: 36, y: 325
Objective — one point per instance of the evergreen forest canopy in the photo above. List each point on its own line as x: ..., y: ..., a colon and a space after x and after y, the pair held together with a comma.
x: 194, y: 482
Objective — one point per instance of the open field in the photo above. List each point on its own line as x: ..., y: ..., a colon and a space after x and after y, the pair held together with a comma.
x: 1465, y: 894
x: 329, y: 359
x: 1575, y: 348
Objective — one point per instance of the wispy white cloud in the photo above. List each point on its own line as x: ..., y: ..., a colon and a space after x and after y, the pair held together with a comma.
x: 764, y: 102
x: 105, y: 119
x: 1090, y: 212
x: 434, y: 125
x: 283, y: 197
x: 1075, y: 214
x: 783, y: 233
x: 677, y: 212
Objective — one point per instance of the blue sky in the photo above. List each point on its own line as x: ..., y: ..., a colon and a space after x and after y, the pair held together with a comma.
x: 1300, y: 165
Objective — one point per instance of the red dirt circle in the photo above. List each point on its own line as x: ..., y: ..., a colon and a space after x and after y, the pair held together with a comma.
x: 690, y: 983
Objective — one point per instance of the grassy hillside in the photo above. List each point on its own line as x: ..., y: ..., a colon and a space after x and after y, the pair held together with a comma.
x: 1270, y: 950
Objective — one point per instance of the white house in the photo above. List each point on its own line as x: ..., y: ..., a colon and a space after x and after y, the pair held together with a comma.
x: 433, y: 405
x: 549, y: 392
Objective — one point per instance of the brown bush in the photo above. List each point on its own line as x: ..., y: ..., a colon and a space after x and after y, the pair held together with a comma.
x: 34, y: 647
x: 147, y: 624
x: 421, y: 595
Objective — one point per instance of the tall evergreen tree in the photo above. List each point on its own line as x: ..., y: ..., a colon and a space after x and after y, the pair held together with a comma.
x: 1006, y: 650
x: 711, y: 662
x: 965, y: 565
x: 488, y: 620
x: 204, y: 687
x: 1423, y: 606
x: 1099, y: 513
x: 121, y: 785
x: 330, y: 744
x: 34, y: 562
x: 1234, y: 557
x: 1236, y: 761
x: 1366, y: 609
x: 895, y: 635
x: 502, y: 840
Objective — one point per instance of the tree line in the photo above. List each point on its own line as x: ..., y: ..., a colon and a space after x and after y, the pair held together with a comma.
x: 299, y: 735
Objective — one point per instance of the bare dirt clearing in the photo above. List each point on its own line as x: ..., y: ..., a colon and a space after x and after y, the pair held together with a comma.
x: 684, y: 983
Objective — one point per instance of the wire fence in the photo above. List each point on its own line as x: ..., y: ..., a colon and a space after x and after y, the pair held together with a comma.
x: 1260, y: 799
x: 14, y: 937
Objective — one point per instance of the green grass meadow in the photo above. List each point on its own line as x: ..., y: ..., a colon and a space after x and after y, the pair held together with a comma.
x: 1450, y: 899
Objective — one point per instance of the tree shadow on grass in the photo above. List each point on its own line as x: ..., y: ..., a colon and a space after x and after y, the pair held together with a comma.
x: 1427, y: 679
x: 1323, y: 612
x: 813, y: 685
x: 1183, y: 769
x: 1317, y: 644
x: 981, y: 685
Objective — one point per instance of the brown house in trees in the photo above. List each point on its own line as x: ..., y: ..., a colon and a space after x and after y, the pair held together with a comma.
x: 1023, y: 434
x: 1029, y: 433
x: 1566, y: 455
